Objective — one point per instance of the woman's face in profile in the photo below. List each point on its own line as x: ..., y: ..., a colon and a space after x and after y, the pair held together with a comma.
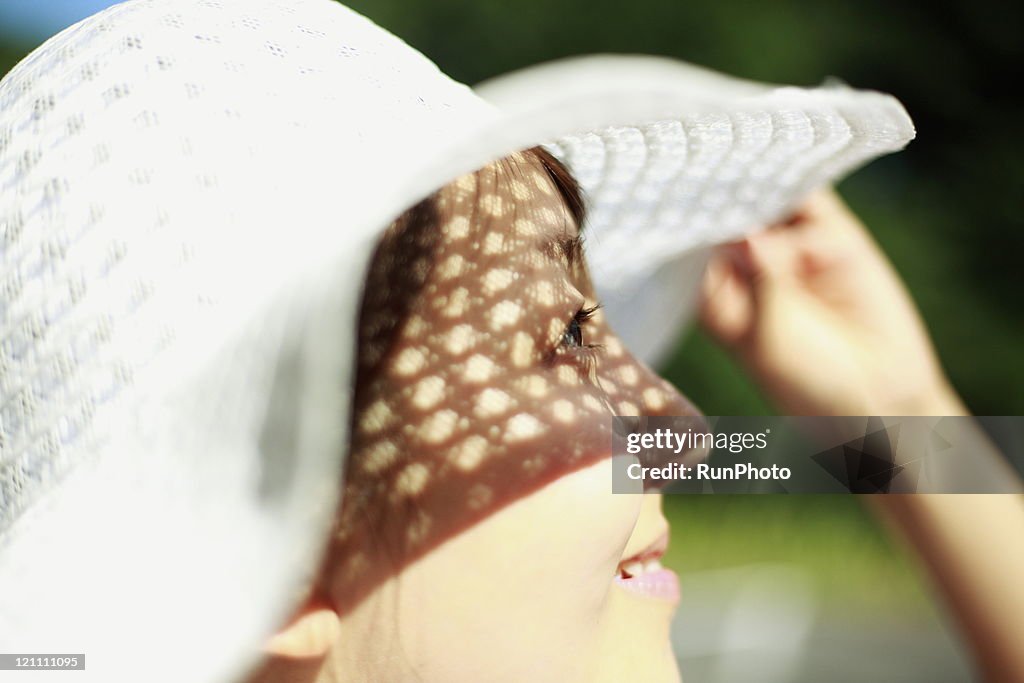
x: 479, y: 538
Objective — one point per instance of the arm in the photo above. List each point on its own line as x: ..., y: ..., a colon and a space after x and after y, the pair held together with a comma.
x: 862, y: 349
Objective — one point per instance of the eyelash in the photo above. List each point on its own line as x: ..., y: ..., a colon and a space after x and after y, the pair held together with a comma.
x: 579, y: 319
x: 583, y: 352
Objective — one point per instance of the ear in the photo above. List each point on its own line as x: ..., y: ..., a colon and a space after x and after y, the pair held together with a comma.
x: 310, y: 633
x: 299, y: 650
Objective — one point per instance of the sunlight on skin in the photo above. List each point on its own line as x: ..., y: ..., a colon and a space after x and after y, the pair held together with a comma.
x: 482, y: 422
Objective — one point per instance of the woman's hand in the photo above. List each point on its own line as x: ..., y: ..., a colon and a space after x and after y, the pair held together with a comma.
x: 818, y: 315
x: 823, y: 322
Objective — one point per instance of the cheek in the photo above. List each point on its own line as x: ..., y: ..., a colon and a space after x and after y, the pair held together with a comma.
x: 587, y: 527
x: 516, y: 392
x: 572, y: 530
x: 551, y: 571
x: 544, y: 420
x: 478, y: 414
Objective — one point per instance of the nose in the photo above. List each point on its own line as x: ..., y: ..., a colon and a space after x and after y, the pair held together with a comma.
x: 659, y: 405
x: 645, y: 393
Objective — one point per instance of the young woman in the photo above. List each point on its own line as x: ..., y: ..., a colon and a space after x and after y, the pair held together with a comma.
x: 203, y: 286
x: 478, y: 538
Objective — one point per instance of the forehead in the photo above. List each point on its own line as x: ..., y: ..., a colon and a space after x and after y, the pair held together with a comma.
x: 514, y: 202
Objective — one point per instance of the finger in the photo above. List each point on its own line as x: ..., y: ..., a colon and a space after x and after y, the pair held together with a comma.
x: 824, y: 210
x: 769, y: 257
x: 726, y: 305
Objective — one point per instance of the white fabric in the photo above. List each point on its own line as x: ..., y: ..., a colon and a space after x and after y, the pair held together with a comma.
x: 190, y: 191
x: 674, y: 159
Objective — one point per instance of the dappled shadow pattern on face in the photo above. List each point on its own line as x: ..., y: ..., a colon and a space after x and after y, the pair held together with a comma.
x: 484, y: 370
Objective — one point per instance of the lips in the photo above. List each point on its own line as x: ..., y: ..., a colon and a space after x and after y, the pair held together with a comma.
x: 642, y: 573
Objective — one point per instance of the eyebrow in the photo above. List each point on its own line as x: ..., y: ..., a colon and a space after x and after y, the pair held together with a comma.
x: 571, y: 248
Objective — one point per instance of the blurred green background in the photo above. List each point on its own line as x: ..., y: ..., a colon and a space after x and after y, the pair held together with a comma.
x: 947, y: 211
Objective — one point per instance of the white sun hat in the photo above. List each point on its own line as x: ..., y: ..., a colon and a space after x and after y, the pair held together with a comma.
x: 190, y: 192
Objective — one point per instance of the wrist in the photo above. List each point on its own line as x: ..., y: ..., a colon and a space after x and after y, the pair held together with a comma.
x: 939, y: 400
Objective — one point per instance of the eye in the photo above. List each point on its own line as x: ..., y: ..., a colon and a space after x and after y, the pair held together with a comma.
x: 573, y: 335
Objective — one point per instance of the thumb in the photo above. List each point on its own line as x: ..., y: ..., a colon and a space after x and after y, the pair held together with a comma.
x: 768, y: 264
x: 726, y: 307
x: 737, y: 284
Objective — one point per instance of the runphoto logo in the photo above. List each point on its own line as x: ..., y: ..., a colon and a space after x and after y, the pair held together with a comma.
x: 667, y: 439
x: 676, y: 471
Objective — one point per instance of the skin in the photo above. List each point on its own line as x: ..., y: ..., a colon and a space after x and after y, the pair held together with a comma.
x: 863, y: 350
x: 479, y: 538
x: 862, y: 347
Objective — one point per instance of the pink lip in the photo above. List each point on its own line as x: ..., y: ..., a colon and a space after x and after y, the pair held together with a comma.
x: 662, y: 584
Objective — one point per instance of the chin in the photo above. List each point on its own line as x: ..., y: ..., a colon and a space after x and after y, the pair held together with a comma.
x: 637, y: 640
x: 657, y: 665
